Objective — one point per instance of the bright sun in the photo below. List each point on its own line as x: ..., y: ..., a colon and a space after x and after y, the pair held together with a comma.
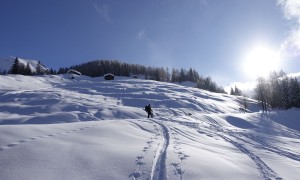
x: 260, y: 61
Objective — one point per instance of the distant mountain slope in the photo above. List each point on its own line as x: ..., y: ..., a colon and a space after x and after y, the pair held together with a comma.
x: 6, y: 63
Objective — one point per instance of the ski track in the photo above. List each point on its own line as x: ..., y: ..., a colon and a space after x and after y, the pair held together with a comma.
x: 158, y: 171
x: 139, y: 161
x: 265, y: 171
x: 214, y: 129
x: 264, y: 145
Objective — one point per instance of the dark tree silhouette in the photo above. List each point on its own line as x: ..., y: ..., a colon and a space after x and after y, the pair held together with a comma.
x: 27, y: 70
x: 15, y: 69
x: 100, y: 67
x: 39, y: 69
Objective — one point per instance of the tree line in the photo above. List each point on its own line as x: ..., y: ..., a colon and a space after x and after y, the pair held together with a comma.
x: 278, y: 91
x: 101, y: 67
x: 20, y: 68
x: 236, y: 91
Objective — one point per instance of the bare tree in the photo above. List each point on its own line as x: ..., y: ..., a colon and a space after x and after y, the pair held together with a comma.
x: 261, y: 92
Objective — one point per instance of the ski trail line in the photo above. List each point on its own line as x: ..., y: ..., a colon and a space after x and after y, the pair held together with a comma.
x: 263, y: 168
x: 265, y: 171
x: 158, y: 171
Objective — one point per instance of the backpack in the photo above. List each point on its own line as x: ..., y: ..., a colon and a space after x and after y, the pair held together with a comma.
x: 147, y: 108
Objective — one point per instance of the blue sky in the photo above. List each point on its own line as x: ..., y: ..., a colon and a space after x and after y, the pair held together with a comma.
x: 211, y: 36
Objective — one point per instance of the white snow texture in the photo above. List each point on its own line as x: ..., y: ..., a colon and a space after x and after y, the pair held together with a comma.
x: 54, y: 127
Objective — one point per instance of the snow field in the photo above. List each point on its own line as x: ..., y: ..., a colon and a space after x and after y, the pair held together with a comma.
x: 89, y: 150
x: 53, y: 127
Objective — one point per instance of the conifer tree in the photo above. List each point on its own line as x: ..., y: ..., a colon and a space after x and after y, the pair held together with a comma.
x: 294, y: 93
x: 15, y: 69
x: 232, y: 91
x: 39, y: 69
x: 279, y: 91
x: 27, y: 69
x: 237, y: 91
x: 285, y: 95
x: 100, y: 67
x: 175, y: 75
x: 181, y: 76
x: 168, y: 76
x: 274, y: 90
x: 22, y: 69
x: 51, y: 71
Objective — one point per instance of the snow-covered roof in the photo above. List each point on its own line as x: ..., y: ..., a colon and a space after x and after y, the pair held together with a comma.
x: 109, y: 74
x: 73, y: 71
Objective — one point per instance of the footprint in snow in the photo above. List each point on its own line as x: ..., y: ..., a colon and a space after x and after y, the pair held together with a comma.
x: 178, y: 169
x: 149, y: 142
x: 136, y: 174
x: 139, y: 163
x: 12, y: 145
x: 183, y: 157
x: 139, y: 157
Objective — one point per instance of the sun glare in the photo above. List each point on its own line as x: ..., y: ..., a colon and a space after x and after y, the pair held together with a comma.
x: 260, y: 61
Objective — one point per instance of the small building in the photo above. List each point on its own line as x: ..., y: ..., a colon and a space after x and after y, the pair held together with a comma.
x: 109, y: 76
x: 72, y: 73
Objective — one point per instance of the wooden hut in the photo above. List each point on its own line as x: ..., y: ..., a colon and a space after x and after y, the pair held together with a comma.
x: 109, y: 76
x: 72, y: 73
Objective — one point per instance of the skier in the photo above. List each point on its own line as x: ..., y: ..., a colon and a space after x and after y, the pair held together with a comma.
x: 149, y: 110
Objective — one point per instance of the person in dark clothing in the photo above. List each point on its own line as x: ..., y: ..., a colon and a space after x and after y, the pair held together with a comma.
x: 149, y: 110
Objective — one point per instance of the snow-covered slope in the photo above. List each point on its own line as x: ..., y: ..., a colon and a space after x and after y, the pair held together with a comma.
x: 86, y: 98
x: 53, y: 127
x: 6, y: 63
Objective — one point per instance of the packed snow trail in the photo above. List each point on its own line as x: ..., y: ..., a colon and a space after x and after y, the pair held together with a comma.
x: 158, y: 171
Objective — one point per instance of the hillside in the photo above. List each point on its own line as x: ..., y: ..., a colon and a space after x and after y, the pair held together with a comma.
x: 6, y: 63
x: 53, y: 127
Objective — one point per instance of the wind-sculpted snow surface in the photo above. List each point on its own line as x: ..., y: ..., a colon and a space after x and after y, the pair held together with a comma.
x: 53, y: 127
x: 48, y: 99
